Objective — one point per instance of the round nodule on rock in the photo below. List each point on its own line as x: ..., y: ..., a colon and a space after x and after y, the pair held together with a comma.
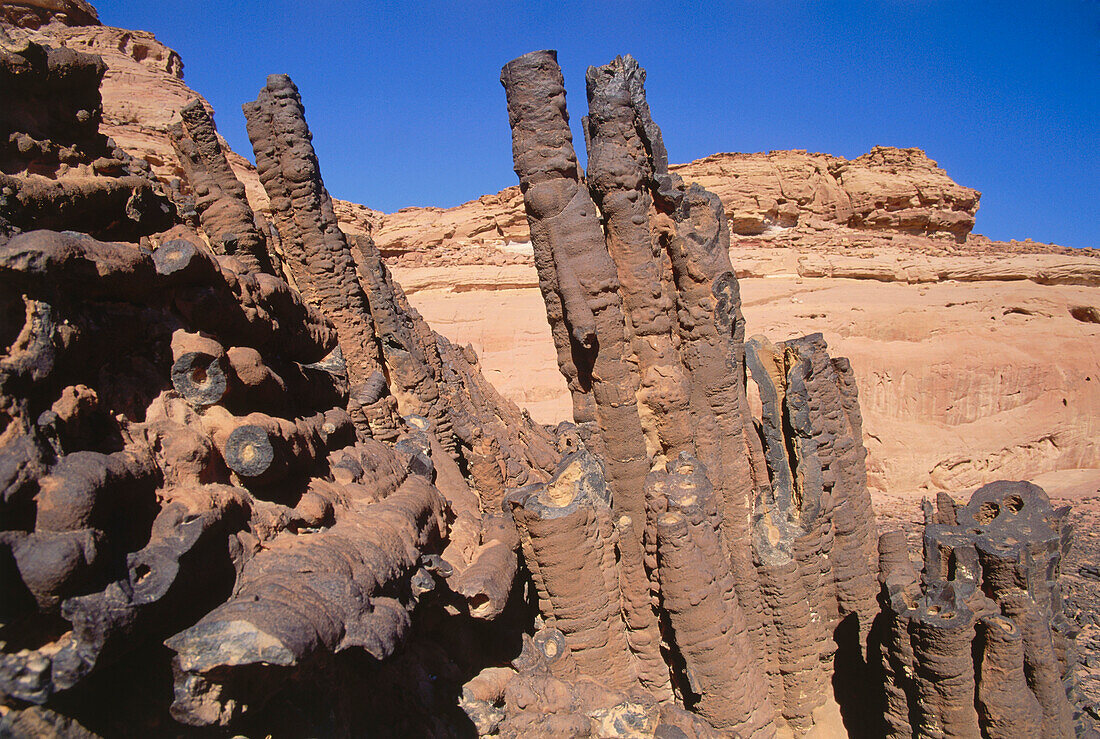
x: 551, y: 642
x: 174, y: 255
x: 248, y: 452
x: 199, y: 378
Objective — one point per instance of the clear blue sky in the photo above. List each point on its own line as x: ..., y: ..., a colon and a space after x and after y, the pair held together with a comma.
x: 406, y: 108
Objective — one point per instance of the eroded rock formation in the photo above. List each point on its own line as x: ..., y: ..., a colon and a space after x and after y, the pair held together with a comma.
x: 938, y: 415
x: 758, y: 539
x: 978, y: 644
x: 739, y: 530
x: 186, y: 490
x: 56, y: 169
x: 223, y: 208
x: 246, y: 488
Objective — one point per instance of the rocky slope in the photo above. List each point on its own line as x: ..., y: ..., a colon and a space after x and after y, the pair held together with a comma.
x: 975, y: 359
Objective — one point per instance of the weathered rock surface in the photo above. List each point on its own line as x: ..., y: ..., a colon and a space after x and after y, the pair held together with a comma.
x: 937, y: 413
x: 755, y: 534
x: 235, y: 500
x: 36, y: 13
x: 889, y: 189
x: 980, y: 645
x: 56, y: 168
x: 193, y: 524
x: 824, y: 260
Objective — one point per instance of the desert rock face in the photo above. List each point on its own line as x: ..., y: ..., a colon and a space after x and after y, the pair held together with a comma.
x: 875, y: 252
x: 888, y: 189
x: 244, y: 486
x: 963, y: 379
x: 36, y: 13
x: 143, y: 89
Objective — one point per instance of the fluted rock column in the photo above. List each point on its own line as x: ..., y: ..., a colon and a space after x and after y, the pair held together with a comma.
x: 620, y: 170
x: 1007, y: 706
x: 724, y: 682
x: 833, y: 420
x: 317, y: 251
x: 568, y: 540
x: 578, y: 279
x: 986, y: 653
x: 220, y: 197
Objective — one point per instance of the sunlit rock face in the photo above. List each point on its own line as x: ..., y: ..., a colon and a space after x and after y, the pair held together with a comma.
x: 246, y: 488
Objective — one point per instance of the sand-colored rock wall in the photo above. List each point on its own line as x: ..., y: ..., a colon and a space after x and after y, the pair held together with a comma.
x: 960, y: 382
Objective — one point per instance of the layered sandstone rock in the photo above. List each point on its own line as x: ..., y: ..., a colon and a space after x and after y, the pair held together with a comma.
x: 888, y: 188
x: 937, y: 413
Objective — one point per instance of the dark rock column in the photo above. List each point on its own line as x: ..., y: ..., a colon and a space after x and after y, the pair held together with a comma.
x: 620, y: 173
x: 834, y: 421
x: 224, y: 212
x: 578, y: 278
x: 988, y: 652
x: 722, y: 676
x: 568, y: 535
x: 317, y: 251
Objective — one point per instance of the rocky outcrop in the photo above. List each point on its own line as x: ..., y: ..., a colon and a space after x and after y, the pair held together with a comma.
x: 317, y: 251
x: 179, y: 467
x: 758, y: 559
x: 56, y: 168
x: 980, y: 646
x: 37, y: 13
x: 220, y: 198
x: 576, y: 275
x: 143, y: 89
x: 936, y: 413
x: 241, y: 495
x: 469, y: 271
x: 888, y: 189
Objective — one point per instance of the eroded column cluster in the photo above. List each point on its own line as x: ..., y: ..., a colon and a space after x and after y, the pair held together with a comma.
x: 977, y: 644
x: 248, y: 487
x: 755, y: 540
x: 189, y: 490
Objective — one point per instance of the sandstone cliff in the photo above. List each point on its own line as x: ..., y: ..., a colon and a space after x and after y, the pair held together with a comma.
x: 888, y: 189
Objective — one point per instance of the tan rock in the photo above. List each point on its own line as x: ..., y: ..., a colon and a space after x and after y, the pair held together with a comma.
x: 961, y: 378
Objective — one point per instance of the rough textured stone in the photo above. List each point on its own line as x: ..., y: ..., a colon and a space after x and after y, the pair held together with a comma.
x: 178, y: 467
x: 988, y: 651
x: 739, y: 535
x: 58, y: 170
x: 191, y: 530
x: 223, y: 207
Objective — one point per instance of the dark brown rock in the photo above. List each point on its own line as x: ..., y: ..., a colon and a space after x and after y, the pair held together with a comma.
x: 991, y: 654
x: 58, y: 171
x: 576, y: 274
x: 223, y: 209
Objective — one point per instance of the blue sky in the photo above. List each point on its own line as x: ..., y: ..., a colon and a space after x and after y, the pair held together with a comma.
x: 406, y: 106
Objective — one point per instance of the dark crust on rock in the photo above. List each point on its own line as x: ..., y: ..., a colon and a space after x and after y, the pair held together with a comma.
x: 226, y: 217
